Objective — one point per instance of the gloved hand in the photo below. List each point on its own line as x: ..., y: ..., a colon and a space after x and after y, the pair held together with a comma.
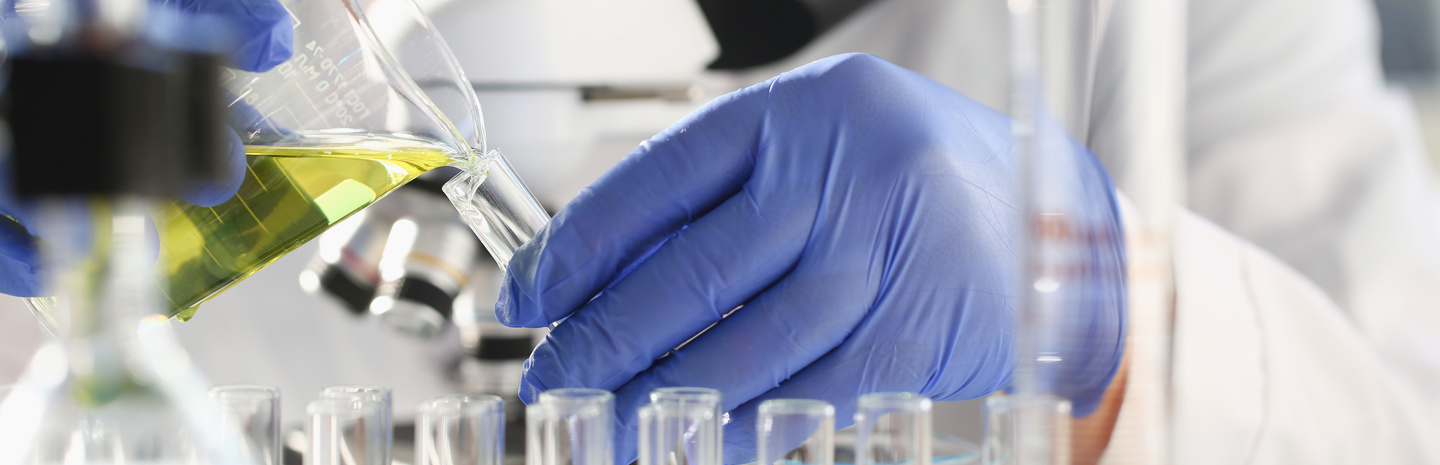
x: 264, y: 35
x: 866, y: 217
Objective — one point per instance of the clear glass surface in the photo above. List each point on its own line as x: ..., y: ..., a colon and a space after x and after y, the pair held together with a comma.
x: 247, y: 419
x: 704, y: 434
x: 681, y: 426
x: 497, y: 206
x: 570, y: 427
x: 462, y: 429
x: 689, y: 395
x: 1026, y: 430
x: 795, y: 431
x: 376, y: 394
x: 347, y: 431
x: 893, y: 428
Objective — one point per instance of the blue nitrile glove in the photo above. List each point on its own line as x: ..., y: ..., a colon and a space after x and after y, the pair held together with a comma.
x: 263, y: 29
x: 866, y: 217
x: 264, y: 34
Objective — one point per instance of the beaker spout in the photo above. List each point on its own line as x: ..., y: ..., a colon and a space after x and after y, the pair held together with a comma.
x: 496, y: 205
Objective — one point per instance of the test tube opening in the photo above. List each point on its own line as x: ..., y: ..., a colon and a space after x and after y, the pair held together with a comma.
x: 796, y: 431
x: 496, y: 205
x: 346, y: 431
x: 382, y: 427
x: 703, y: 432
x: 893, y: 428
x: 572, y: 426
x: 247, y: 422
x: 463, y: 429
x: 686, y: 394
x: 674, y: 433
x: 1026, y: 429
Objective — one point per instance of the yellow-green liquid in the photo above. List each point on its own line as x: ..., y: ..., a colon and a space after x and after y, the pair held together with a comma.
x: 291, y: 193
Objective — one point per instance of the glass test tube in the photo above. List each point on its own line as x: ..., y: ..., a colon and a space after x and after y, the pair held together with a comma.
x: 1011, y: 424
x: 497, y: 206
x: 346, y: 431
x: 681, y: 426
x: 796, y: 432
x: 892, y: 428
x: 247, y: 419
x: 570, y: 427
x: 379, y: 394
x: 461, y: 429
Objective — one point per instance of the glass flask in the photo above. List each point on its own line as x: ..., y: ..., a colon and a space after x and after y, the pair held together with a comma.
x: 371, y: 99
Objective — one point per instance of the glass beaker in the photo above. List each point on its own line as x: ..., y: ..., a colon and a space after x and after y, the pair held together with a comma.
x: 371, y: 99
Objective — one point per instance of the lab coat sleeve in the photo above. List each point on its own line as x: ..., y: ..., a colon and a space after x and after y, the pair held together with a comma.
x: 1297, y: 145
x: 1268, y: 370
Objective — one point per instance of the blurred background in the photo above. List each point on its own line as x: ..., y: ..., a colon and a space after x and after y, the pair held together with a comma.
x: 1409, y: 56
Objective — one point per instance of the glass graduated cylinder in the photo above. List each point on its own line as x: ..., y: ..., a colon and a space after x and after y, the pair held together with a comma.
x: 293, y: 190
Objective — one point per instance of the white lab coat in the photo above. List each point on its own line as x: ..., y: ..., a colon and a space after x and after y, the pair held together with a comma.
x: 1307, y: 319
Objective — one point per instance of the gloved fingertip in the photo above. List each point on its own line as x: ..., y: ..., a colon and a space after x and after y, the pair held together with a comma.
x: 530, y: 386
x: 528, y: 393
x: 209, y: 194
x: 516, y: 308
x: 505, y: 310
